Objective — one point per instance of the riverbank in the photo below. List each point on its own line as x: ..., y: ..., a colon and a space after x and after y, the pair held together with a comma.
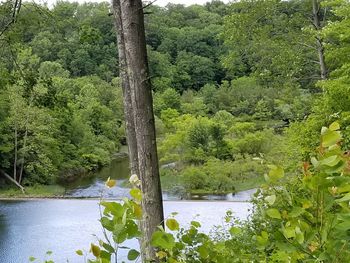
x: 36, y: 191
x: 170, y: 186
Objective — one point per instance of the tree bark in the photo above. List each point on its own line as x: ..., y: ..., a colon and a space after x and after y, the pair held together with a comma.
x: 16, y: 151
x: 319, y: 43
x: 138, y: 73
x: 12, y: 180
x: 127, y: 93
x: 24, y: 146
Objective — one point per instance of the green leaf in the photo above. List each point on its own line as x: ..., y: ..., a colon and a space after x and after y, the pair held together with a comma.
x: 270, y: 199
x: 299, y: 236
x: 195, y: 224
x: 289, y: 232
x: 314, y: 162
x: 31, y: 259
x: 334, y: 126
x: 79, y: 252
x: 133, y: 254
x: 124, y: 218
x: 172, y: 224
x: 273, y: 213
x: 96, y: 251
x: 296, y: 211
x: 330, y: 138
x: 235, y: 230
x: 262, y: 239
x: 113, y: 207
x: 330, y: 161
x: 203, y: 252
x: 163, y: 240
x: 345, y: 198
x: 136, y: 194
x: 276, y: 173
x: 49, y: 253
x: 108, y: 247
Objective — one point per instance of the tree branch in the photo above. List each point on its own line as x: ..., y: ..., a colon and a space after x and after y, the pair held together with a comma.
x: 12, y: 180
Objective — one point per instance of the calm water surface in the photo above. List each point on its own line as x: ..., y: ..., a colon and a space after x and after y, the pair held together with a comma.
x: 32, y: 227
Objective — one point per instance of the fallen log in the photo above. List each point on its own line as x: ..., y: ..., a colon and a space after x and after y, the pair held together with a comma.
x: 12, y: 180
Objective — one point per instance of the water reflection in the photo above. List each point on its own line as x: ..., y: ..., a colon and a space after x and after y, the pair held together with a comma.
x: 92, y: 187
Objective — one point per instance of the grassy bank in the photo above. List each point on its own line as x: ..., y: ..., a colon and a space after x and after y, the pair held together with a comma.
x: 171, y: 182
x: 36, y: 191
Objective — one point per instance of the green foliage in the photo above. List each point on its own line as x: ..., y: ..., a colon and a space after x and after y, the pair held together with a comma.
x: 60, y: 124
x: 119, y: 224
x: 302, y: 218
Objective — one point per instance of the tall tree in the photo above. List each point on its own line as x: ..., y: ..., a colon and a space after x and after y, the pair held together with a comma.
x: 127, y: 93
x: 317, y: 23
x: 134, y: 40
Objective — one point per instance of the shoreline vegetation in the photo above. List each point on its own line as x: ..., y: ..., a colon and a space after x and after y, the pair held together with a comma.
x: 58, y: 192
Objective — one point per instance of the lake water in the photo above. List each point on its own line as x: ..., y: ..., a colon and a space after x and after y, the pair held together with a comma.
x: 32, y: 227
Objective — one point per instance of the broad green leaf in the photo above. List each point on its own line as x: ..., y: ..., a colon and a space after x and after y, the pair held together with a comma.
x: 163, y: 240
x: 115, y: 208
x: 31, y: 259
x: 273, y: 213
x: 330, y: 138
x: 203, y: 252
x: 345, y: 198
x: 289, y: 232
x: 330, y: 161
x: 105, y: 256
x: 137, y: 211
x: 235, y: 230
x: 334, y: 126
x: 136, y: 194
x: 275, y: 173
x: 96, y: 251
x: 195, y: 224
x: 133, y: 254
x: 79, y: 252
x: 314, y: 162
x: 296, y: 211
x: 299, y: 235
x: 265, y: 235
x: 343, y: 189
x: 270, y: 199
x: 262, y: 239
x: 172, y: 224
x: 108, y: 247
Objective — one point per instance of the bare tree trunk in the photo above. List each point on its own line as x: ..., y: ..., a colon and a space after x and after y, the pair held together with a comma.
x: 12, y: 180
x: 16, y: 153
x: 127, y: 93
x: 22, y: 159
x: 319, y: 43
x: 138, y: 72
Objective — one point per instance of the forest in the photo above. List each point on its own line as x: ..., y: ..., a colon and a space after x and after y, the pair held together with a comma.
x: 240, y: 90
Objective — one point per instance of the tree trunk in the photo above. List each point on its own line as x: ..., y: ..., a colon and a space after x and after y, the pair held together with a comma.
x: 319, y: 43
x: 24, y: 148
x: 16, y: 153
x: 127, y: 95
x: 138, y: 72
x: 12, y: 180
